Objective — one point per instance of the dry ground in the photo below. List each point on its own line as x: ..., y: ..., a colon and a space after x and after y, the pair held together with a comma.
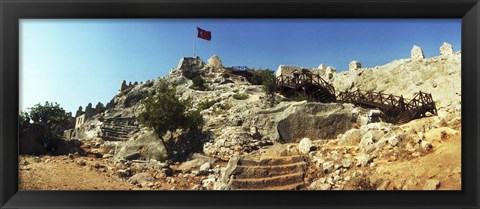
x: 62, y: 173
x: 443, y: 164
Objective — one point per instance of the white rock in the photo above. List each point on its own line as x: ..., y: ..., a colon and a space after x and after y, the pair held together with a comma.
x: 209, y: 182
x: 305, y: 146
x: 393, y: 140
x: 327, y: 166
x: 446, y: 49
x: 425, y: 145
x: 431, y: 184
x: 204, y: 168
x: 319, y: 185
x: 363, y: 160
x: 354, y: 65
x: 346, y: 163
x: 417, y: 53
x: 219, y: 186
x: 351, y: 137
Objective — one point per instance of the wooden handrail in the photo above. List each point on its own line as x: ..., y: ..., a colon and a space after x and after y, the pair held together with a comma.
x: 396, y: 105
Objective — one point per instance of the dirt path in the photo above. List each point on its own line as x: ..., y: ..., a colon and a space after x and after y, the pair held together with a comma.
x: 61, y: 173
x: 443, y: 165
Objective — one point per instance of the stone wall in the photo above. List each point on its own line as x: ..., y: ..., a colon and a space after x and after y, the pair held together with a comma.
x: 288, y: 70
x: 417, y: 53
x: 124, y: 86
x: 446, y: 49
x: 80, y: 121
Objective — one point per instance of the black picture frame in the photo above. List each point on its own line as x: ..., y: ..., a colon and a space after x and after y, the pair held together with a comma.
x: 13, y: 10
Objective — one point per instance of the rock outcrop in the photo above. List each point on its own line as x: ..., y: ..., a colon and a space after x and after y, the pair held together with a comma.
x: 417, y: 53
x: 215, y: 63
x: 438, y: 75
x: 354, y: 65
x: 290, y: 122
x: 191, y: 67
x: 446, y: 49
x: 142, y: 146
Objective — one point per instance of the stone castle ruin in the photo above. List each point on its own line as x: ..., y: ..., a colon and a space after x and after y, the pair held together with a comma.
x: 124, y: 86
x: 277, y: 146
x: 322, y: 70
x: 308, y: 82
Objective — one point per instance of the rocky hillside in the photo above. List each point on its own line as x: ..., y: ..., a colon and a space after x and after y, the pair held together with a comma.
x: 440, y: 76
x: 246, y: 138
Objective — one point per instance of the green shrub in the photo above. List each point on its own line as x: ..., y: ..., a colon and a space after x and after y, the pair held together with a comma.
x: 205, y: 104
x: 47, y: 122
x: 222, y: 108
x: 266, y: 78
x: 241, y: 96
x: 226, y: 75
x: 198, y: 82
x: 163, y: 112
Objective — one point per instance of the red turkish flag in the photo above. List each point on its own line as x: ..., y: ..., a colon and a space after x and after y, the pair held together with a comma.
x: 204, y: 34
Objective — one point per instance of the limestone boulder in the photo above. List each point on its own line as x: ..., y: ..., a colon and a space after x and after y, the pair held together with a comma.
x: 431, y: 184
x: 195, y: 162
x: 145, y: 145
x: 204, y: 168
x: 142, y: 179
x: 191, y: 67
x: 290, y: 122
x: 305, y: 146
x: 319, y: 185
x: 351, y: 138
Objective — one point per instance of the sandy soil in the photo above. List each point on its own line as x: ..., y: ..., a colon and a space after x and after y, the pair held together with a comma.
x: 443, y: 163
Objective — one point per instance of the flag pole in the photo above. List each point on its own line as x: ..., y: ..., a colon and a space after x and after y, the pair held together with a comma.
x: 194, y: 43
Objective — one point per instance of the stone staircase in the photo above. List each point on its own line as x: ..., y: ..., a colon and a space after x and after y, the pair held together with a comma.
x: 283, y: 173
x: 118, y: 129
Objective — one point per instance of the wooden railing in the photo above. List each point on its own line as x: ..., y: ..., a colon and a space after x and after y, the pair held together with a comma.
x: 301, y: 80
x: 392, y: 106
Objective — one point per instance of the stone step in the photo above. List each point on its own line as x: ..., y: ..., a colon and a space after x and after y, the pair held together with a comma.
x: 120, y: 127
x: 293, y: 186
x: 270, y: 171
x: 276, y: 181
x: 114, y: 138
x: 273, y: 161
x: 114, y: 135
x: 115, y: 131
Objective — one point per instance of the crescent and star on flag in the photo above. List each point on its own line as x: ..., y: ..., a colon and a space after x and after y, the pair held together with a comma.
x: 203, y: 34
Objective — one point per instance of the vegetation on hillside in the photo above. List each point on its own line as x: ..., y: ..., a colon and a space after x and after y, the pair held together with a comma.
x: 163, y: 112
x: 267, y: 79
x: 46, y: 122
x: 198, y: 82
x: 240, y: 96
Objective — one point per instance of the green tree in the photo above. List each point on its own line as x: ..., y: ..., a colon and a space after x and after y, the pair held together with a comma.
x: 23, y: 121
x: 198, y: 82
x: 163, y: 112
x: 268, y: 81
x: 47, y: 122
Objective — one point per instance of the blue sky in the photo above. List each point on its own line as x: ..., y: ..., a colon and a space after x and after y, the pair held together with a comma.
x: 74, y: 62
